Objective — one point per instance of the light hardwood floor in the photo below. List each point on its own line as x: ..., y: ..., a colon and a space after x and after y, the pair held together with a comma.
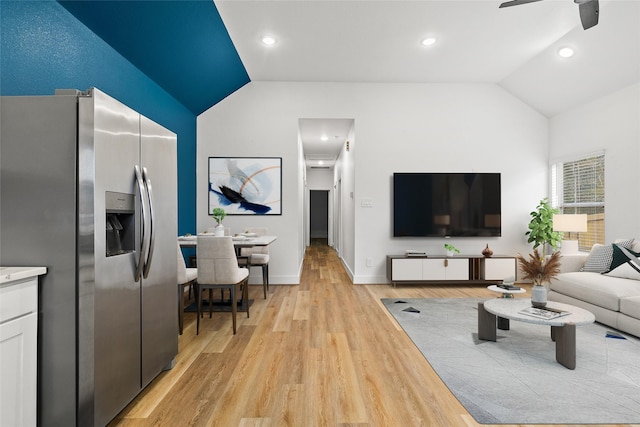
x: 323, y: 353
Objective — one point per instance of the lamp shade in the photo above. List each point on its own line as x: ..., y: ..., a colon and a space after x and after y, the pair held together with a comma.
x: 570, y: 222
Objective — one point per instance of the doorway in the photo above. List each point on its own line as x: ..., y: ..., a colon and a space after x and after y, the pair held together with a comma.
x: 319, y: 217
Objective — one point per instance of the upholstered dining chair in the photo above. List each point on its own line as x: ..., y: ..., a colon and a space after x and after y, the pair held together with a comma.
x: 186, y: 277
x: 218, y: 269
x: 257, y: 256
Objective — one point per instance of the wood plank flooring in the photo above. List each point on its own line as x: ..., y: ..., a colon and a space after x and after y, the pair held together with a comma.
x: 323, y: 353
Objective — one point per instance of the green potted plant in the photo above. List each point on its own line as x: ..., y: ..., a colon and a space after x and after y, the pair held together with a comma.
x: 541, y: 227
x: 451, y: 250
x: 219, y: 214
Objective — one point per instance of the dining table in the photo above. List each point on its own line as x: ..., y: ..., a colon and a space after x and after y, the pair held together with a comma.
x: 240, y: 241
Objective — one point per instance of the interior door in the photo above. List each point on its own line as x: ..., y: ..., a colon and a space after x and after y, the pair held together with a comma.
x: 319, y: 214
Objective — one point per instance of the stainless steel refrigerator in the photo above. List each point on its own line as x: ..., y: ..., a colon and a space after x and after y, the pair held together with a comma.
x: 89, y: 189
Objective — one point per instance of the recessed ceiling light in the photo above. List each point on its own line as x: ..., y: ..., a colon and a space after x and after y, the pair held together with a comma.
x: 320, y: 162
x: 428, y: 41
x: 324, y: 138
x: 269, y: 40
x: 566, y: 52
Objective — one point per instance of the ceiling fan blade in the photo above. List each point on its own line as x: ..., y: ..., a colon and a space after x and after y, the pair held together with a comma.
x: 589, y: 11
x: 517, y: 2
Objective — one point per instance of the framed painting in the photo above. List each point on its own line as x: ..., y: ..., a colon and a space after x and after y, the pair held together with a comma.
x: 246, y: 185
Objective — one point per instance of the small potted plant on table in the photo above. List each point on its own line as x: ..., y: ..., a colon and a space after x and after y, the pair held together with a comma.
x: 451, y: 250
x: 219, y: 214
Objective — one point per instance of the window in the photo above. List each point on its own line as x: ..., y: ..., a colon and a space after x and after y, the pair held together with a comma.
x: 577, y: 187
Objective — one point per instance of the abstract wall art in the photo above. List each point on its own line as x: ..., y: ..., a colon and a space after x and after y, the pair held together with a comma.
x: 246, y: 185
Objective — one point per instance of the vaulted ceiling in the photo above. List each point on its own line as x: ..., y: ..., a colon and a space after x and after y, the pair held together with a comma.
x: 182, y: 45
x: 379, y: 41
x: 476, y: 41
x: 200, y: 52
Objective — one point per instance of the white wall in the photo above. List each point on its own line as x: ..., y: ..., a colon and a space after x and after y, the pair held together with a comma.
x: 399, y: 127
x: 611, y: 123
x: 446, y: 128
x: 302, y: 220
x: 319, y: 179
x: 344, y: 182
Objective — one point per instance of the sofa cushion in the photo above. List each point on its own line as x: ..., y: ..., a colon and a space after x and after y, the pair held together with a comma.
x: 625, y: 263
x: 572, y: 262
x: 595, y: 288
x: 600, y: 257
x: 630, y: 306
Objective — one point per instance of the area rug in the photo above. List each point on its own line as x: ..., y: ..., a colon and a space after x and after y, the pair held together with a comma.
x: 517, y: 380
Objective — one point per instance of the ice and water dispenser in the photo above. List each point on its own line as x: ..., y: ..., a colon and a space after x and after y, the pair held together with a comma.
x: 120, y: 212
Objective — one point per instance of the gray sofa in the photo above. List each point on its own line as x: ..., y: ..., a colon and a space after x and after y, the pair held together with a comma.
x: 585, y: 281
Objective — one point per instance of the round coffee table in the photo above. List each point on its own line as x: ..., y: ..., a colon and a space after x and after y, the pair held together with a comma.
x: 503, y: 323
x: 563, y: 329
x: 506, y: 293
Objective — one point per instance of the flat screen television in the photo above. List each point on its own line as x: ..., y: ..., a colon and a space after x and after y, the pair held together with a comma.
x: 446, y: 204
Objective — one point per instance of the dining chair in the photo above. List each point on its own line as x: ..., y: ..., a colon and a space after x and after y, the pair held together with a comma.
x: 218, y: 269
x: 257, y: 256
x: 186, y: 277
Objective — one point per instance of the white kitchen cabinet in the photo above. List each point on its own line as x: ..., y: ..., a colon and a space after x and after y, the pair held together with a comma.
x: 18, y: 345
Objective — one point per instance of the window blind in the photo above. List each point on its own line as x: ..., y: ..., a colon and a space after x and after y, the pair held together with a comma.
x: 578, y: 188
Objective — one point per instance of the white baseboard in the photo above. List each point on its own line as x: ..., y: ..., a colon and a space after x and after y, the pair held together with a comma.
x: 370, y: 280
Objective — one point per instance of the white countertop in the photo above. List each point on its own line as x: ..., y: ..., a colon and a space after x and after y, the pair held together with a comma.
x: 10, y: 274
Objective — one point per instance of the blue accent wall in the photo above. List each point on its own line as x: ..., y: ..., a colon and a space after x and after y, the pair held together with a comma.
x: 43, y: 47
x: 182, y: 45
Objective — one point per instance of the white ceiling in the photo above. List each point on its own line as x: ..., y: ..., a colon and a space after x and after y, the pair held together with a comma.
x: 379, y: 41
x: 323, y: 139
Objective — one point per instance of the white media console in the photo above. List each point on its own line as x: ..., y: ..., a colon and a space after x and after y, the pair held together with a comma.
x: 459, y: 269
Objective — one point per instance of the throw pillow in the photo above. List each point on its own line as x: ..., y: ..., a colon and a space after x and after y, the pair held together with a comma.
x: 625, y: 263
x: 621, y: 255
x: 600, y: 257
x: 625, y: 243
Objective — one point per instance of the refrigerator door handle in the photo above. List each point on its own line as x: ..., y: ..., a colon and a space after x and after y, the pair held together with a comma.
x: 152, y: 234
x: 143, y: 240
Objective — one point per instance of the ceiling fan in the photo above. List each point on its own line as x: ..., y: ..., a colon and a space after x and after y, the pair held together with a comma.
x: 589, y: 10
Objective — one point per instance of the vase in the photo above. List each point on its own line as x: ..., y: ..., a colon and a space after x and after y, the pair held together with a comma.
x: 538, y: 296
x: 219, y: 231
x: 487, y: 252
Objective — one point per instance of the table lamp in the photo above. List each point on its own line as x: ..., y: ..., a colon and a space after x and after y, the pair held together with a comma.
x: 570, y: 223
